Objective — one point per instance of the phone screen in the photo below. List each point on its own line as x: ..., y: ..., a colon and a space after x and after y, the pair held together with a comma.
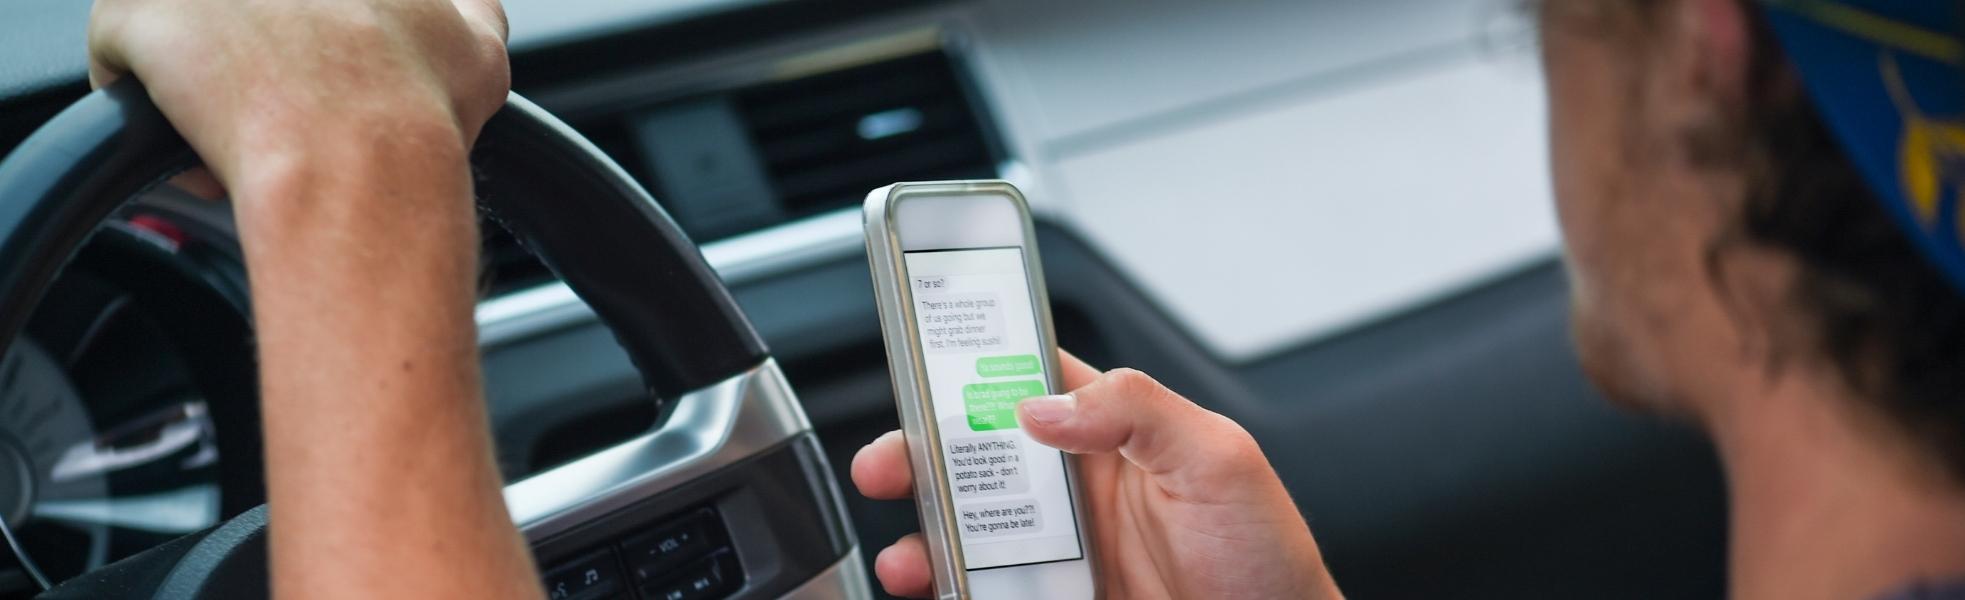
x: 980, y: 344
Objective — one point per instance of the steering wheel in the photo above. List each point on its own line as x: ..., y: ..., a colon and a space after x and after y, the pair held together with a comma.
x: 733, y: 470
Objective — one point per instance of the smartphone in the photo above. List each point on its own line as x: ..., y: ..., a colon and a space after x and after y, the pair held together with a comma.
x: 968, y: 334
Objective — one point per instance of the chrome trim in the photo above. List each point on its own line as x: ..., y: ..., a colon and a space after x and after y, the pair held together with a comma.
x: 745, y: 65
x: 738, y: 260
x: 538, y: 23
x: 858, y: 53
x: 844, y: 580
x: 785, y: 248
x: 525, y: 313
x: 709, y: 429
x: 20, y: 557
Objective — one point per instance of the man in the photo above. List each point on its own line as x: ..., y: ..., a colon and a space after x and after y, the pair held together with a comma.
x: 1730, y: 266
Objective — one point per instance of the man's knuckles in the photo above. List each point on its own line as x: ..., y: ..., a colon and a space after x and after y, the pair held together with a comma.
x: 1206, y: 437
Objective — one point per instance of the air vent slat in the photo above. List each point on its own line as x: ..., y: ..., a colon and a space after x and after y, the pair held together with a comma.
x: 821, y: 146
x: 887, y: 167
x: 826, y: 140
x: 821, y: 107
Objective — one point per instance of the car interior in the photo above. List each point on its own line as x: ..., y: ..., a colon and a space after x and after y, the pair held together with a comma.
x: 1328, y: 220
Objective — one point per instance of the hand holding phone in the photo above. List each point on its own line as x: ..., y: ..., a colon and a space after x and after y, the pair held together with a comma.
x: 1186, y: 506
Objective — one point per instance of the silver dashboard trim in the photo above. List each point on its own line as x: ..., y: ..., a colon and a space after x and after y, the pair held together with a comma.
x: 844, y: 580
x: 709, y: 429
x: 788, y: 247
x: 522, y: 314
x: 746, y: 64
x: 737, y: 260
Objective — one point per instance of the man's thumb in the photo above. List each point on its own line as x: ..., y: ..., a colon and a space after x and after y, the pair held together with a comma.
x: 1162, y: 433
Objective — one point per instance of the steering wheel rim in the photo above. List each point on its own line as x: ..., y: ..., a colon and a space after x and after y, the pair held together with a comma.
x: 600, y: 232
x: 668, y: 308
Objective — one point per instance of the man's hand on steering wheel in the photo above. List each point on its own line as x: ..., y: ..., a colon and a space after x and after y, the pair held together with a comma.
x: 253, y: 84
x: 342, y: 131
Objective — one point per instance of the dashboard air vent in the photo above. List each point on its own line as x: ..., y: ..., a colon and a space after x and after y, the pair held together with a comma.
x: 825, y: 140
x: 740, y: 159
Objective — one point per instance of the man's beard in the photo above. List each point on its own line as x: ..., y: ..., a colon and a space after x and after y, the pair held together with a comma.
x: 1613, y: 366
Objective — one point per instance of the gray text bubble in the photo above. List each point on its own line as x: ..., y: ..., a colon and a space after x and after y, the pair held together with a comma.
x: 997, y: 519
x: 986, y: 465
x: 959, y: 322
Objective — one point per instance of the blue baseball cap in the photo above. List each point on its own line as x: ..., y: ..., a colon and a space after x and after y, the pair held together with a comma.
x: 1888, y: 77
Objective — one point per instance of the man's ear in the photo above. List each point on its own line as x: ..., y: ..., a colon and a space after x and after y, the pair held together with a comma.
x: 1752, y: 284
x: 1701, y: 70
x: 1718, y: 32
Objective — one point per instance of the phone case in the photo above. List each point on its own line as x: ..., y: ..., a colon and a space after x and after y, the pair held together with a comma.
x: 911, y: 396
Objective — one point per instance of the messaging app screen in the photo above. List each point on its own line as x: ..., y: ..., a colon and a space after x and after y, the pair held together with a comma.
x: 978, y: 333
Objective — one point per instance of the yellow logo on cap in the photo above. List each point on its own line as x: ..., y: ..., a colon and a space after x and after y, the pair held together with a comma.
x: 1930, y: 153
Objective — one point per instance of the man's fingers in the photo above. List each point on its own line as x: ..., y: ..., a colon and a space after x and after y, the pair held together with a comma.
x: 881, y: 469
x: 482, y: 92
x: 903, y: 568
x: 101, y: 74
x: 107, y: 62
x: 199, y: 181
x: 1185, y: 446
x: 488, y: 14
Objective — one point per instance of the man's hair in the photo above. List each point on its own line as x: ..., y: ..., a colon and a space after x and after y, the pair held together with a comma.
x: 1884, y: 316
x: 1886, y: 320
x: 1875, y: 310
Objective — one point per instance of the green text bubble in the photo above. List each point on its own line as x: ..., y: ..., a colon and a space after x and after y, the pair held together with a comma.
x: 993, y: 406
x: 1005, y: 366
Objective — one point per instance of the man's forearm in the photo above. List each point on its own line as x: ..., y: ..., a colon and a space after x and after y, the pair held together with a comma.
x: 378, y: 455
